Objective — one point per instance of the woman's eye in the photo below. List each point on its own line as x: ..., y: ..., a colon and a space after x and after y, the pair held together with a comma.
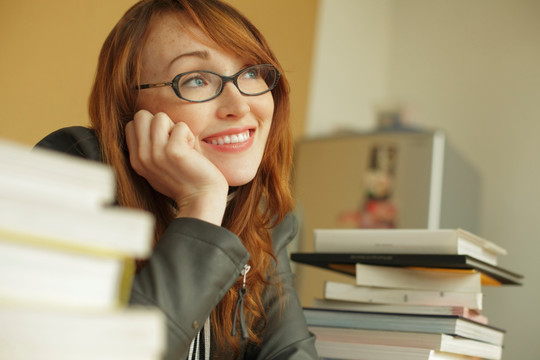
x: 193, y: 80
x: 251, y: 74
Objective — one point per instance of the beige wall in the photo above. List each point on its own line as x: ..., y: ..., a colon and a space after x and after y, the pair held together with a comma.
x: 50, y: 49
x: 49, y: 55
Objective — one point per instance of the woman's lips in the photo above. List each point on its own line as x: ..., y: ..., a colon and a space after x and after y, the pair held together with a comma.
x: 229, y: 139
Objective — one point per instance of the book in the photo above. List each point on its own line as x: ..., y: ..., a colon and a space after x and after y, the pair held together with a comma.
x: 43, y: 175
x: 43, y: 333
x: 429, y: 341
x: 70, y: 256
x: 418, y: 278
x: 67, y: 260
x: 351, y: 351
x: 407, y: 241
x: 115, y: 230
x: 48, y: 276
x: 440, y: 324
x: 334, y: 290
x: 472, y: 314
x: 346, y: 263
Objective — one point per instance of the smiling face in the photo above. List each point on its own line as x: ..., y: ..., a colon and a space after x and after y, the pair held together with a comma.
x: 230, y: 130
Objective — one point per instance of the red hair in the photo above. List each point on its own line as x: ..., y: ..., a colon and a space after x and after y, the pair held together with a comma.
x: 258, y: 205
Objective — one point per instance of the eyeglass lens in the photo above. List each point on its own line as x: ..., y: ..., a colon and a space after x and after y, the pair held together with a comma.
x: 203, y: 85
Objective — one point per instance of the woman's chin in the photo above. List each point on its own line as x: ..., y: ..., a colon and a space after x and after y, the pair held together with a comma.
x: 239, y: 180
x: 239, y: 177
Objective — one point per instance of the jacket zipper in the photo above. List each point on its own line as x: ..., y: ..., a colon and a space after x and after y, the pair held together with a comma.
x: 240, y: 304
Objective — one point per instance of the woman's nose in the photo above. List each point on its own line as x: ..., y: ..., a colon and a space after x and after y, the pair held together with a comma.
x: 232, y: 103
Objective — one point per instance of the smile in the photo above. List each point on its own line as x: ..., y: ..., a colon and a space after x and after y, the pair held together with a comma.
x: 230, y: 139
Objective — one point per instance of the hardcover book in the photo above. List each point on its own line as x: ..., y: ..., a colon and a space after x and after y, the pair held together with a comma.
x: 346, y: 262
x: 407, y: 241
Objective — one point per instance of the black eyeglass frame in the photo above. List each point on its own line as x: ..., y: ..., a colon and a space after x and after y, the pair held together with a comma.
x: 224, y: 79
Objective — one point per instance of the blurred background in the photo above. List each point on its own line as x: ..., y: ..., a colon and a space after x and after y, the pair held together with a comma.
x: 468, y: 69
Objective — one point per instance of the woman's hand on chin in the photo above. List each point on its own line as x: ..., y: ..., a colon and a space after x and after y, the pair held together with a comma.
x: 166, y: 155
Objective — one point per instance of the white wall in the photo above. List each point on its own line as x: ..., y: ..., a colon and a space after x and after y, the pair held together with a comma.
x: 350, y: 64
x: 472, y: 69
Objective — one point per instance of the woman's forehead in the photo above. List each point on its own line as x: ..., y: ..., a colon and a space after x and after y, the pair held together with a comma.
x: 173, y: 32
x: 171, y: 28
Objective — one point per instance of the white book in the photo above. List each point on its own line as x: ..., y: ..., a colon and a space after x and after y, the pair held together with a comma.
x: 115, y: 230
x: 475, y: 315
x: 64, y: 278
x: 349, y: 292
x: 438, y: 324
x: 418, y: 278
x: 40, y: 333
x: 51, y: 177
x: 406, y: 241
x: 429, y: 341
x: 328, y: 350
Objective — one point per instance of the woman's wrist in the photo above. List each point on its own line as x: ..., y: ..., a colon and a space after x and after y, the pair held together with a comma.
x: 208, y: 206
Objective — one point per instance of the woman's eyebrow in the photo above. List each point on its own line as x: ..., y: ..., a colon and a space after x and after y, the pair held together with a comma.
x: 202, y: 54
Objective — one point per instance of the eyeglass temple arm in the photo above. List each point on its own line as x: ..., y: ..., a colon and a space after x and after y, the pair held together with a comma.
x: 149, y: 86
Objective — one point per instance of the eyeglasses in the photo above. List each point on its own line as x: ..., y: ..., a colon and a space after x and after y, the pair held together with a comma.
x: 203, y: 85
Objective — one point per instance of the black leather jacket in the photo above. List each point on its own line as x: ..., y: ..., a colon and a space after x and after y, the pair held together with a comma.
x: 192, y: 267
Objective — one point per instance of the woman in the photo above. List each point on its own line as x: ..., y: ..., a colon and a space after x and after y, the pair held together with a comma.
x: 190, y: 108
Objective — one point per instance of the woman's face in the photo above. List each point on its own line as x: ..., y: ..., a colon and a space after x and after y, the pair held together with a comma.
x: 174, y: 46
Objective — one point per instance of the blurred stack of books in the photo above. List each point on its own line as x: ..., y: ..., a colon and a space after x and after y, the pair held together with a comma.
x: 67, y: 262
x: 416, y: 294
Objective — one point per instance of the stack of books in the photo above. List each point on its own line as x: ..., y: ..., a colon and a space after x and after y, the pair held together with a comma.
x: 67, y: 262
x: 415, y: 294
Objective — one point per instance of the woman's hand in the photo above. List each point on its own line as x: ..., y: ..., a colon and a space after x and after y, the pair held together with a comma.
x: 165, y: 154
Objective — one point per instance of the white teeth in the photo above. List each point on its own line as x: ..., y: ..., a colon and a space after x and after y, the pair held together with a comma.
x: 232, y: 139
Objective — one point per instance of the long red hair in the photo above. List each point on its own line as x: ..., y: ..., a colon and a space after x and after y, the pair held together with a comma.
x: 258, y: 205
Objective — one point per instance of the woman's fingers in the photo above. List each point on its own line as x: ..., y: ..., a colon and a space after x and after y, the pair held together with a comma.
x: 133, y: 146
x: 159, y: 131
x: 147, y: 136
x: 181, y: 142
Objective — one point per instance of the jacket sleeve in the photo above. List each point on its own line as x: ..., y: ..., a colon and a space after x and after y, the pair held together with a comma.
x: 190, y: 270
x: 286, y: 335
x: 75, y: 140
